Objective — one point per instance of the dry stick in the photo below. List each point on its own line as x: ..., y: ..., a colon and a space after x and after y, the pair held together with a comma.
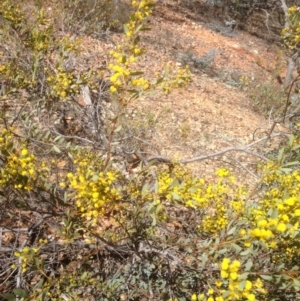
x: 247, y: 169
x: 284, y: 7
x: 285, y: 110
x: 271, y: 131
x: 288, y: 97
x: 163, y: 159
x: 122, y: 105
x: 74, y: 137
x: 110, y: 138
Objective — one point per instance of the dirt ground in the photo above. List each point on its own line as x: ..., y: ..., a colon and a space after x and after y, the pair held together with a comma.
x: 215, y: 111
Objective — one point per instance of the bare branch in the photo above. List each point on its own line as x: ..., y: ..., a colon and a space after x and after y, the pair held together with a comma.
x: 163, y: 159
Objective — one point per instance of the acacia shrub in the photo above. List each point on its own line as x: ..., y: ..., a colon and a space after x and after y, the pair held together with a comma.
x: 162, y: 233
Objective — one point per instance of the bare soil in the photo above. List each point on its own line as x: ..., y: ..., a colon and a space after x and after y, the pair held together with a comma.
x: 215, y: 111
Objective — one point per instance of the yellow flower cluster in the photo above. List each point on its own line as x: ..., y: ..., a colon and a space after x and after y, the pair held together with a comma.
x: 69, y: 45
x: 19, y: 166
x: 123, y: 77
x: 120, y: 74
x: 181, y: 77
x: 126, y: 54
x: 2, y: 68
x: 238, y: 204
x: 231, y: 286
x: 278, y: 213
x: 25, y: 258
x: 19, y: 169
x: 140, y: 82
x: 11, y: 13
x: 93, y: 191
x: 222, y: 172
x: 144, y: 10
x: 62, y: 84
x: 15, y: 76
x: 229, y: 270
x: 39, y: 39
x: 5, y: 140
x: 212, y: 199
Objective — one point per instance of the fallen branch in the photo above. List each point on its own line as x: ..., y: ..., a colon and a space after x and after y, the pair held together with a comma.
x: 163, y: 159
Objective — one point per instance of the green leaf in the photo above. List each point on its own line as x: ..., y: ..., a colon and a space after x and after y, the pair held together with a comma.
x: 150, y: 4
x: 286, y: 170
x: 159, y: 208
x: 44, y: 294
x: 296, y: 284
x: 156, y: 186
x: 266, y: 277
x: 291, y: 140
x: 57, y: 138
x: 61, y: 140
x: 243, y: 276
x: 222, y: 251
x: 9, y: 297
x: 84, y: 275
x: 56, y: 149
x: 126, y: 30
x: 248, y: 265
x: 273, y: 213
x: 153, y: 224
x: 95, y: 178
x: 246, y: 252
x: 237, y: 248
x: 167, y: 71
x: 280, y: 267
x: 20, y: 292
x: 204, y: 258
x: 292, y: 163
x: 226, y: 294
x: 47, y: 135
x: 176, y: 196
x: 40, y: 283
x: 118, y: 129
x: 158, y: 81
x: 280, y: 154
x: 138, y: 28
x: 145, y: 28
x: 136, y: 73
x: 37, y: 261
x: 136, y: 40
x: 175, y: 183
x: 231, y: 231
x: 132, y: 92
x: 295, y: 147
x: 145, y: 190
x: 242, y: 285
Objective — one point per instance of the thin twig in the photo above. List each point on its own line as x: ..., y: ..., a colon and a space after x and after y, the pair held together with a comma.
x: 245, y: 149
x: 288, y: 97
x: 247, y: 169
